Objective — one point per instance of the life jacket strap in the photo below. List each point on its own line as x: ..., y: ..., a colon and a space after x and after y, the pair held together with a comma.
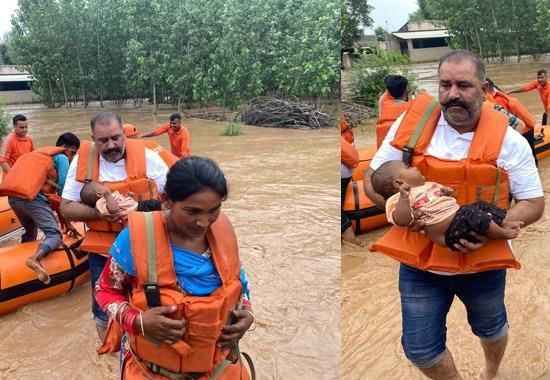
x: 151, y: 288
x: 408, y: 150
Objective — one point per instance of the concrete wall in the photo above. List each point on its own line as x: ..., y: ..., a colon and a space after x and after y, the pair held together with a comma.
x: 23, y: 96
x: 428, y: 54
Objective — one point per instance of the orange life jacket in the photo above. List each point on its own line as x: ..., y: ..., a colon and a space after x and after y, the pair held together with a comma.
x: 19, y: 183
x: 473, y: 178
x: 102, y: 233
x: 515, y: 107
x: 388, y: 114
x: 168, y: 157
x: 345, y: 130
x: 348, y: 154
x: 197, y: 351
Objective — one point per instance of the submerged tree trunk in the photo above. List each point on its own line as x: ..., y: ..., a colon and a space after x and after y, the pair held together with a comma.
x: 318, y: 102
x: 51, y: 93
x: 64, y: 91
x: 154, y: 99
x: 81, y: 80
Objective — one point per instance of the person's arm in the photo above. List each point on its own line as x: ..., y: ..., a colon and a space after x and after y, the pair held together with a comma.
x: 5, y: 166
x: 526, y: 210
x: 517, y: 90
x: 242, y: 319
x: 402, y: 215
x: 158, y: 131
x: 186, y: 150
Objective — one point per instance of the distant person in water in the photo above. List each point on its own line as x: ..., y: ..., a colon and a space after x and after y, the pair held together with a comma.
x: 542, y: 86
x: 177, y: 134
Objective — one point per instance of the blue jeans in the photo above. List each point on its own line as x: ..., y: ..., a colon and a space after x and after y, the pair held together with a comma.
x: 97, y: 262
x: 425, y: 301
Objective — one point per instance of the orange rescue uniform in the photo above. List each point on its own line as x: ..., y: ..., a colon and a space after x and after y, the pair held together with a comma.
x: 179, y: 141
x: 14, y: 147
x: 544, y: 92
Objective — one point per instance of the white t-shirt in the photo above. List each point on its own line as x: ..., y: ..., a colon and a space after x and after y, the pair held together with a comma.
x: 447, y: 143
x: 115, y: 171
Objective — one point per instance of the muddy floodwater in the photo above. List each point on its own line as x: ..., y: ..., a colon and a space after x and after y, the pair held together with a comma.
x: 284, y: 204
x: 371, y: 312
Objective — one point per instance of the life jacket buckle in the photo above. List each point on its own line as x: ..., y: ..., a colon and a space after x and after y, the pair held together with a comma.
x: 152, y: 294
x: 408, y: 155
x: 154, y: 368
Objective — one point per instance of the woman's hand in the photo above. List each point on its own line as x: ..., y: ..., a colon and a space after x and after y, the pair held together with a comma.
x: 231, y: 334
x: 159, y: 327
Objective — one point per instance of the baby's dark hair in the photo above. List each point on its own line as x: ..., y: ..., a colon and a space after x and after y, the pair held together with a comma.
x: 383, y: 177
x: 88, y: 194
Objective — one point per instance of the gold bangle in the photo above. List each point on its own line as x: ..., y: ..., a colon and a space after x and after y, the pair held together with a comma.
x: 141, y: 323
x: 253, y: 325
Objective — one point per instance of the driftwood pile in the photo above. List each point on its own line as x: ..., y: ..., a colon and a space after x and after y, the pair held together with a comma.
x: 356, y: 113
x: 281, y: 113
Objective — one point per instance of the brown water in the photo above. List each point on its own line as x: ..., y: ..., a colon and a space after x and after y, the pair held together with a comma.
x: 284, y: 204
x: 371, y: 313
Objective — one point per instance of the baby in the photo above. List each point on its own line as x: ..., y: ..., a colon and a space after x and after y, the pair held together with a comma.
x: 98, y: 196
x: 410, y: 198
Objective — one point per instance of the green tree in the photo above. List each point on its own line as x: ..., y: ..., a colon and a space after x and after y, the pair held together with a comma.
x: 355, y: 16
x: 380, y: 33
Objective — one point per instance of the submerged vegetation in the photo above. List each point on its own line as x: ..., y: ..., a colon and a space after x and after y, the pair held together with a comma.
x: 232, y: 128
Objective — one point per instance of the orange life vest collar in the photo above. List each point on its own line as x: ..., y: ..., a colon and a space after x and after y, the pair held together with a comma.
x: 88, y: 161
x: 419, y: 124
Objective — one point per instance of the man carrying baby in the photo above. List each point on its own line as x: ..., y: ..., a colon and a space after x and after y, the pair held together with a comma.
x: 459, y: 137
x: 122, y: 165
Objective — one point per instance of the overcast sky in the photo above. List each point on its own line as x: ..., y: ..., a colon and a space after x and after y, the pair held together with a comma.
x: 7, y: 7
x: 395, y: 12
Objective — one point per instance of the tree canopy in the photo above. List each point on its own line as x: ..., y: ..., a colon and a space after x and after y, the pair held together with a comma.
x: 179, y: 52
x: 355, y: 17
x: 493, y: 28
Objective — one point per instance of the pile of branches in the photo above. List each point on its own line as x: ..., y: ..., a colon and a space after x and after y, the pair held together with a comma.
x: 284, y: 113
x: 356, y: 113
x: 208, y: 116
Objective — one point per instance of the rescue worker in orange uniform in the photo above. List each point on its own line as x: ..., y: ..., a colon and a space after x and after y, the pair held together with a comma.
x: 542, y: 86
x: 29, y: 199
x: 169, y: 159
x: 516, y: 108
x: 461, y: 138
x: 16, y: 143
x: 122, y: 165
x: 177, y: 134
x: 174, y: 278
x: 391, y: 104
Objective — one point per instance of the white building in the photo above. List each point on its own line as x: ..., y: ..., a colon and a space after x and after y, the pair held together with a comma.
x: 15, y: 85
x: 421, y: 41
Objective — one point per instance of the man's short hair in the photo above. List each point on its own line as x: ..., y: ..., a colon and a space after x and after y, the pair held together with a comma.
x: 541, y: 71
x: 396, y: 85
x: 104, y: 118
x: 17, y: 118
x: 459, y: 55
x: 175, y: 116
x: 68, y: 139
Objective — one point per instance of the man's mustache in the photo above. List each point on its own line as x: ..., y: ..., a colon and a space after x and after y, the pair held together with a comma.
x: 452, y: 103
x: 114, y: 150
